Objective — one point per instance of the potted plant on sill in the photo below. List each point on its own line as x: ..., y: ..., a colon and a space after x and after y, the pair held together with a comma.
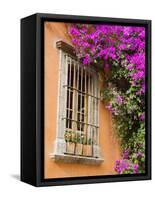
x: 87, y: 147
x: 79, y: 144
x: 70, y: 141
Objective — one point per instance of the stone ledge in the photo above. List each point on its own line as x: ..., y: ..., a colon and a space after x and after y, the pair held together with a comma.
x: 76, y: 159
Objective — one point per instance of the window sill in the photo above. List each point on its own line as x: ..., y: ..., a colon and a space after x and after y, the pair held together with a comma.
x: 68, y: 158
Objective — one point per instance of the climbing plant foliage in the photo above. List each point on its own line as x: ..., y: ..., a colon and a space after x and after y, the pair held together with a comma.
x: 120, y: 52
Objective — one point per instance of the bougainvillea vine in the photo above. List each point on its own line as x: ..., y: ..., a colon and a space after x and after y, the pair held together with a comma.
x: 120, y: 50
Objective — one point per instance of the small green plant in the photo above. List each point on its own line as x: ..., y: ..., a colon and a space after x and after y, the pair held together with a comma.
x: 79, y: 138
x: 90, y: 141
x: 67, y: 136
x: 87, y: 141
x: 70, y: 136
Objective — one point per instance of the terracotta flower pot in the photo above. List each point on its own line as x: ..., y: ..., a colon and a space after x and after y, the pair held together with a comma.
x: 78, y: 149
x: 87, y: 150
x: 70, y: 147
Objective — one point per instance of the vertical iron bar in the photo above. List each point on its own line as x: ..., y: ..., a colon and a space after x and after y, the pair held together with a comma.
x: 80, y: 110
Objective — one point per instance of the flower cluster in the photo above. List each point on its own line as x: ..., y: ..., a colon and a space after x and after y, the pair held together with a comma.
x: 126, y: 167
x: 130, y: 165
x: 107, y: 44
x: 119, y: 50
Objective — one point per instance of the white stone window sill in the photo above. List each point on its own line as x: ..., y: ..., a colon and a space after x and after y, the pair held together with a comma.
x: 69, y: 158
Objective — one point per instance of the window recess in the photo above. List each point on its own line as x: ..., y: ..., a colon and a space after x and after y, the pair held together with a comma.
x: 78, y: 110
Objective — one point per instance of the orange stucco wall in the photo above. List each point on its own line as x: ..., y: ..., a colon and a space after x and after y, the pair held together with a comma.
x: 109, y: 146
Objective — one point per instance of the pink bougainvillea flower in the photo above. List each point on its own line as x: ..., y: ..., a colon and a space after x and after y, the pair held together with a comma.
x: 119, y: 100
x: 142, y: 117
x: 86, y: 59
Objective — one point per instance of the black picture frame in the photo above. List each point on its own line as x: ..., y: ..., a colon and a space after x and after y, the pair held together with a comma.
x: 32, y: 100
